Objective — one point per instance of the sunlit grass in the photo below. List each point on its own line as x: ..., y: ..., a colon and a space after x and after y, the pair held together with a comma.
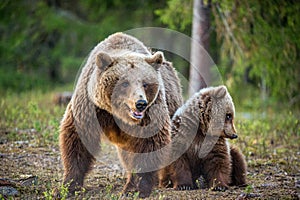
x: 273, y: 136
x: 260, y: 134
x: 31, y: 115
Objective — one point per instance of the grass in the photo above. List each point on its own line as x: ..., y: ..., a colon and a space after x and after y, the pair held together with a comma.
x: 29, y: 147
x: 30, y: 117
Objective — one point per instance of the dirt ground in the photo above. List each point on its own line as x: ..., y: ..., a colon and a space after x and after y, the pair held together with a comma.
x: 21, y: 161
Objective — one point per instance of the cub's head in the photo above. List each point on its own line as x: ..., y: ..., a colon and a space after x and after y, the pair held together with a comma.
x: 222, y: 112
x: 126, y: 85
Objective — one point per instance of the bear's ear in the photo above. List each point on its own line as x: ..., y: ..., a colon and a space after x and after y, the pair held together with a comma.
x: 103, y: 60
x: 220, y: 91
x: 156, y: 59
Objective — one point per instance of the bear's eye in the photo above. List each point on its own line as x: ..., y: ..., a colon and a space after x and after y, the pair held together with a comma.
x: 228, y: 117
x: 145, y: 85
x: 125, y: 84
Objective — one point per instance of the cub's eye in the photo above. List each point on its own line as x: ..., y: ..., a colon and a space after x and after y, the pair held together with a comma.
x: 125, y: 84
x: 228, y: 117
x: 145, y: 85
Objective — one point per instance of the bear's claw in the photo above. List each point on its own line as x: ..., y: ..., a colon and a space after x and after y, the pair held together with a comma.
x: 184, y: 187
x: 221, y: 188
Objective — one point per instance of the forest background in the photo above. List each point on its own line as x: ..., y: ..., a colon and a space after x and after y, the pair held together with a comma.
x: 255, y: 45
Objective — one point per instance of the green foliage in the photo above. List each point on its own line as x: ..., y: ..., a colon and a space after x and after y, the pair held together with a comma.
x: 262, y: 36
x: 62, y: 191
x: 177, y: 14
x: 43, y: 43
x: 12, y: 80
x: 249, y: 189
x: 257, y: 44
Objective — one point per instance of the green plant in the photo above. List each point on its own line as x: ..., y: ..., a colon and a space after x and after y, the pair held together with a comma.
x: 249, y: 189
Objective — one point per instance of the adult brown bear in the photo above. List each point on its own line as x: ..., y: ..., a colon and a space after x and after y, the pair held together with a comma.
x: 127, y: 95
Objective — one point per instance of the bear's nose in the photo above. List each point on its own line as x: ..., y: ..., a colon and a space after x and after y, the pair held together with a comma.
x: 141, y: 105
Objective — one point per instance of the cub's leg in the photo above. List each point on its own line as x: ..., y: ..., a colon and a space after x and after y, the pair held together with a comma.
x: 239, y: 167
x: 217, y: 168
x: 76, y: 159
x: 181, y: 175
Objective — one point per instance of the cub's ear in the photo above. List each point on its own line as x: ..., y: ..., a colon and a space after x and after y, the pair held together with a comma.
x: 156, y: 59
x: 220, y: 91
x: 103, y: 60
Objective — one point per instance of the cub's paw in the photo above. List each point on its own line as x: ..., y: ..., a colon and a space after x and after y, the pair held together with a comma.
x: 183, y: 187
x: 221, y: 188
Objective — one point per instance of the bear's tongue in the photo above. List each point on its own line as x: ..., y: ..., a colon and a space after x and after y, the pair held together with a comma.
x: 137, y: 115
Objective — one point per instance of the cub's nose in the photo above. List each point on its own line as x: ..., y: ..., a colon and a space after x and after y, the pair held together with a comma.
x: 141, y: 105
x: 234, y: 136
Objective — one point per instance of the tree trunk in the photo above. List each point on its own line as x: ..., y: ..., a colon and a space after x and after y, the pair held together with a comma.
x: 200, y: 60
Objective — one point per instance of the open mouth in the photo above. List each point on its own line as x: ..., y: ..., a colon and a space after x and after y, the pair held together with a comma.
x: 136, y: 115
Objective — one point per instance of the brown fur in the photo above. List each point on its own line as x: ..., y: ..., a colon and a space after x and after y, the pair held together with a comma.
x: 207, y: 116
x: 119, y: 72
x: 172, y: 84
x: 76, y: 158
x: 239, y: 167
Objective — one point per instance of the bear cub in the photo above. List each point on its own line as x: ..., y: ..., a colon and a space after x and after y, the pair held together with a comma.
x: 200, y: 129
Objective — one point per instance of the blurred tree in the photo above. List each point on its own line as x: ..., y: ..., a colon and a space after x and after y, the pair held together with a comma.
x: 199, y: 73
x: 256, y: 38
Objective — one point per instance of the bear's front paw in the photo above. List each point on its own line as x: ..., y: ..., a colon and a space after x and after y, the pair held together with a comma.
x: 133, y: 192
x: 144, y: 194
x: 183, y: 187
x: 60, y: 193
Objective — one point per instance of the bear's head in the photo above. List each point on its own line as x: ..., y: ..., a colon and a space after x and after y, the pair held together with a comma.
x: 222, y: 112
x: 126, y: 84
